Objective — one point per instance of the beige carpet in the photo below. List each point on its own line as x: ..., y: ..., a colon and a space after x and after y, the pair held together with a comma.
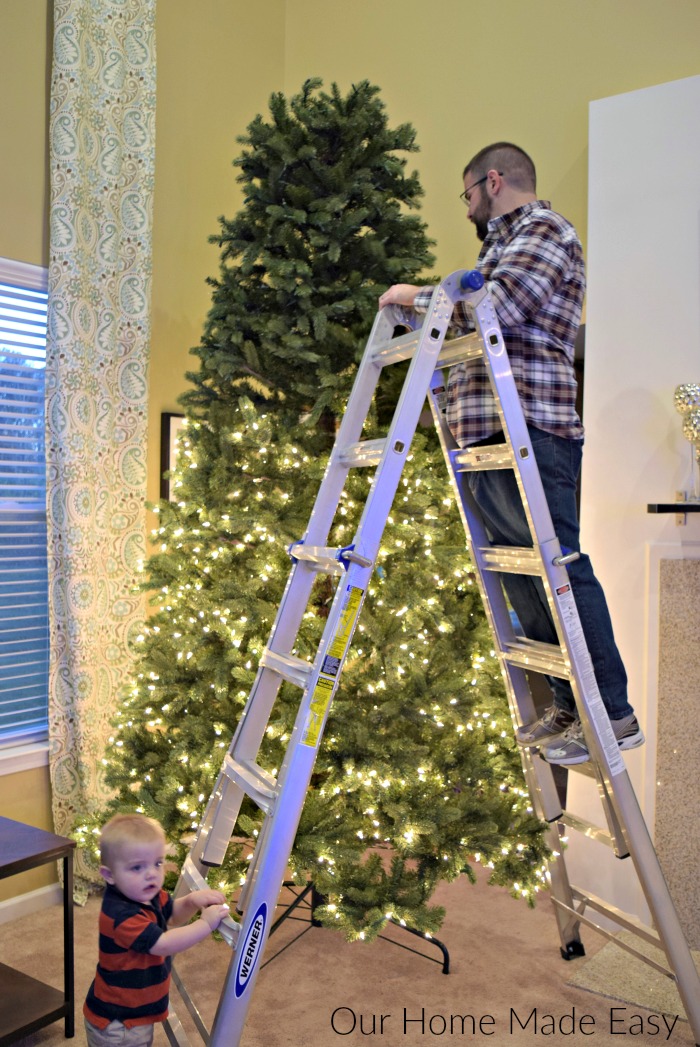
x: 505, y: 964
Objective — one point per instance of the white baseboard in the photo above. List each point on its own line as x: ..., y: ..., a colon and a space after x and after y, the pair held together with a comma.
x: 32, y: 901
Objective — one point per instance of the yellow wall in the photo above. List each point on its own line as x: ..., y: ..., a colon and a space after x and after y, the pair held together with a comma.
x: 24, y: 50
x: 218, y: 63
x: 466, y: 73
x: 461, y: 71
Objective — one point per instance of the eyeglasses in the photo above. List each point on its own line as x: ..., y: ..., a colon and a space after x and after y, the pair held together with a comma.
x: 464, y: 197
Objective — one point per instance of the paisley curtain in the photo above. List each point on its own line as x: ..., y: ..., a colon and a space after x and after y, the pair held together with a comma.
x: 102, y: 156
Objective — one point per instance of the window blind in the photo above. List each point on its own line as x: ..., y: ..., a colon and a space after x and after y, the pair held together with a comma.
x: 24, y: 629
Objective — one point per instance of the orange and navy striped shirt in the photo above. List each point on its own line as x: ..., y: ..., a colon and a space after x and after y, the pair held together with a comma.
x: 131, y: 986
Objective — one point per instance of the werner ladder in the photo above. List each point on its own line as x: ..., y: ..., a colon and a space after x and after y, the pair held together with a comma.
x: 281, y: 799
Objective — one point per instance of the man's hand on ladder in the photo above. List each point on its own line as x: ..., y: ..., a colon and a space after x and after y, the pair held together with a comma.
x: 399, y: 294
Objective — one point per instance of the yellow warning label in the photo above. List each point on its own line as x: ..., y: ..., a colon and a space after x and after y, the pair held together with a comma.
x: 323, y: 692
x: 346, y: 623
x: 332, y: 662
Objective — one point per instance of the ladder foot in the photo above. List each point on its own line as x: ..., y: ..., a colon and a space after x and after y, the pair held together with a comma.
x: 573, y: 950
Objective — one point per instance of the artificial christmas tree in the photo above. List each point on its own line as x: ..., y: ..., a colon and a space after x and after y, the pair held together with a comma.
x: 417, y: 772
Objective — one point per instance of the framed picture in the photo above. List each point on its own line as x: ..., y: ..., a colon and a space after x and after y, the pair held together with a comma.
x: 171, y: 426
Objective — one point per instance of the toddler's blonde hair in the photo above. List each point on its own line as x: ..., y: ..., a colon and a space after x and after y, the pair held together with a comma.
x: 124, y: 829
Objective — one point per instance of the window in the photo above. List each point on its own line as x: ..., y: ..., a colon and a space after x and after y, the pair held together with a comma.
x: 24, y: 630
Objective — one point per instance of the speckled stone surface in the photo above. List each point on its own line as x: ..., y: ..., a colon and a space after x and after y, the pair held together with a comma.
x: 620, y: 976
x: 677, y: 827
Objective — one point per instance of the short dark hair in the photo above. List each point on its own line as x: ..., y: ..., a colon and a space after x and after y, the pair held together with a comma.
x: 510, y: 160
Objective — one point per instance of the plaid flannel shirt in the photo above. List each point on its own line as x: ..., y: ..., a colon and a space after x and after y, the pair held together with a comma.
x: 532, y: 262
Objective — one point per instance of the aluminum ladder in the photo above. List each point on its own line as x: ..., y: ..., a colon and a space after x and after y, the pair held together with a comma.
x: 626, y: 832
x: 281, y: 799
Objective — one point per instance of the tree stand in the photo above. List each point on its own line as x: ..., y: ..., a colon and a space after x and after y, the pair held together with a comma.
x: 306, y: 899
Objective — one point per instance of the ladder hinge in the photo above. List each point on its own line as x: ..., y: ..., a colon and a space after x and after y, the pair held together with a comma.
x: 323, y: 558
x: 347, y: 555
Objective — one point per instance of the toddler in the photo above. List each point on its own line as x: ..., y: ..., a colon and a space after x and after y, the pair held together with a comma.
x: 141, y: 926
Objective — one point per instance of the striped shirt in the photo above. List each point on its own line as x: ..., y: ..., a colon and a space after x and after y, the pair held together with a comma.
x: 532, y: 262
x: 130, y: 986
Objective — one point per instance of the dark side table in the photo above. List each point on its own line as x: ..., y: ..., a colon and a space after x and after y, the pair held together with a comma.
x: 27, y: 1004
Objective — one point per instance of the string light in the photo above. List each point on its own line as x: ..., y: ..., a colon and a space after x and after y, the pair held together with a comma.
x: 441, y: 716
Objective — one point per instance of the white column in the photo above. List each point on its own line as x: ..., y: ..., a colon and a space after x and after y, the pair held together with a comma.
x: 642, y: 340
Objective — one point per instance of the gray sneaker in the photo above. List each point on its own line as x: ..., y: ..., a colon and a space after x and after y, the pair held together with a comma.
x: 553, y: 723
x: 572, y: 748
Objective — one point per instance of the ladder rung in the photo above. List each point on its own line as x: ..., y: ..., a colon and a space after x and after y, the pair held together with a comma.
x: 588, y: 829
x: 620, y: 918
x: 320, y: 558
x: 173, y: 1026
x: 260, y: 786
x: 326, y: 558
x: 228, y: 928
x: 473, y: 459
x: 291, y: 668
x: 624, y: 919
x: 511, y: 560
x: 456, y: 351
x: 397, y: 349
x: 540, y: 657
x: 366, y: 452
x: 587, y: 769
x: 619, y: 942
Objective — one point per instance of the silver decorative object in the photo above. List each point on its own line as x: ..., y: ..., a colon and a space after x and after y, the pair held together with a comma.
x: 687, y: 398
x: 691, y: 427
x: 687, y: 401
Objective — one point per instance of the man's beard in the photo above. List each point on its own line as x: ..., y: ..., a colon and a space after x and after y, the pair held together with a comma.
x: 481, y: 216
x: 480, y: 221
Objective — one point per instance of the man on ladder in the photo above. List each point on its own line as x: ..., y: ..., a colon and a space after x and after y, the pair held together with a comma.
x: 532, y: 262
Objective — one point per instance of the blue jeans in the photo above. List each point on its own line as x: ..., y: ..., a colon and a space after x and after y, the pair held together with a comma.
x: 496, y: 493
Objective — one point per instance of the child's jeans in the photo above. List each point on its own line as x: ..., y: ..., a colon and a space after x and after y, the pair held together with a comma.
x: 117, y: 1035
